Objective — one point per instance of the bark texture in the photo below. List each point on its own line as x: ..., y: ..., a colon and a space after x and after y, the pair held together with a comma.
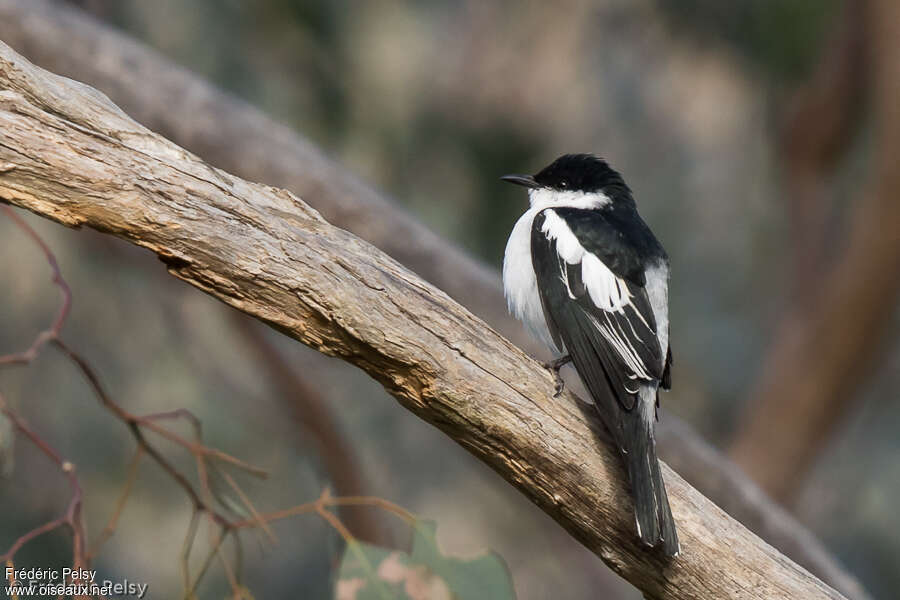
x: 69, y: 154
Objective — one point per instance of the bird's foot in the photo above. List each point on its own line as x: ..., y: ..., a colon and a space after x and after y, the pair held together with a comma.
x: 554, y: 366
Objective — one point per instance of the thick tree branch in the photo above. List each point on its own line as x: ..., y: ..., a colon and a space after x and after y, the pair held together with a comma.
x: 69, y: 154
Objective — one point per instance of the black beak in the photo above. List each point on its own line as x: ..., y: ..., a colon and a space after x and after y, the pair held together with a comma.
x: 526, y: 180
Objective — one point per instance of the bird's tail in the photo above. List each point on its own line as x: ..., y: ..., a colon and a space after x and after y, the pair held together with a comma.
x: 655, y: 524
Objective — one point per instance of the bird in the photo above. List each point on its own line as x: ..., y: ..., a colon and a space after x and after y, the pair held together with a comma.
x: 587, y: 277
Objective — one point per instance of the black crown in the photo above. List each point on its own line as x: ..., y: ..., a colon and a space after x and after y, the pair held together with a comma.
x: 582, y: 173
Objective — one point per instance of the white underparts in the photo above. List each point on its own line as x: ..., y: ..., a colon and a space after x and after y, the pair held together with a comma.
x: 520, y: 283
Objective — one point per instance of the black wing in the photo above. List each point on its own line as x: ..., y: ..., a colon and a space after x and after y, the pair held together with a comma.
x: 617, y: 236
x: 602, y: 314
x: 604, y: 318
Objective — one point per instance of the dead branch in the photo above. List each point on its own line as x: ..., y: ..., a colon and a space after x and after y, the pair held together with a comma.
x: 238, y: 137
x: 67, y: 153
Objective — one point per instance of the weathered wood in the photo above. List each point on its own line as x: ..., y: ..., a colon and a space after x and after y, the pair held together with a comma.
x: 239, y: 138
x: 67, y: 153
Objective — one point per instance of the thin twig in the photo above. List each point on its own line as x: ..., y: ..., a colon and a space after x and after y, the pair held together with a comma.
x: 72, y: 517
x: 327, y: 500
x: 236, y: 587
x: 53, y: 332
x: 186, y: 548
x: 113, y: 522
x: 206, y: 564
x: 256, y: 516
x: 199, y: 449
x: 134, y: 425
x: 374, y: 501
x: 202, y: 502
x: 178, y: 413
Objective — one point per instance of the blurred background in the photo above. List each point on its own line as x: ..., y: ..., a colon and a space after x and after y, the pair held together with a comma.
x: 749, y: 134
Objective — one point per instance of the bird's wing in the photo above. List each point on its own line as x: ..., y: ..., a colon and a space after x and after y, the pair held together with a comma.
x: 592, y: 286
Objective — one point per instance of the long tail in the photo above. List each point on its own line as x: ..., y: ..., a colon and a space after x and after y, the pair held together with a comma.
x: 655, y: 524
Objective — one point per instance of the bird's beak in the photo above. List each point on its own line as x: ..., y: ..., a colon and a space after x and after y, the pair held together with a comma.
x: 526, y: 180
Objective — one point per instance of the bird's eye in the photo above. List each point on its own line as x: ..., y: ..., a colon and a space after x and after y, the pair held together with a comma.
x: 564, y: 183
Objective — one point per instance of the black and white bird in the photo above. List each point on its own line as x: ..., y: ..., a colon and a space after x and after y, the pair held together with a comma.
x: 588, y: 278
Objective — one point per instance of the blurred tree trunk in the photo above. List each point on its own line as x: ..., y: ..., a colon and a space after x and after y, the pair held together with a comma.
x: 830, y: 342
x: 818, y: 124
x: 69, y: 154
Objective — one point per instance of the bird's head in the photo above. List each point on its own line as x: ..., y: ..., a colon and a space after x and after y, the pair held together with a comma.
x: 574, y: 180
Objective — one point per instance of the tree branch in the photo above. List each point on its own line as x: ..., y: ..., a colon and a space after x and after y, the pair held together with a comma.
x: 69, y: 154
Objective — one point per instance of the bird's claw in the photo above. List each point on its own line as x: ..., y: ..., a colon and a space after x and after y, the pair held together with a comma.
x: 554, y: 366
x: 559, y: 385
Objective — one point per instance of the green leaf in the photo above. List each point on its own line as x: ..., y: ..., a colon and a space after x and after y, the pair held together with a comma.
x: 485, y: 576
x: 372, y: 573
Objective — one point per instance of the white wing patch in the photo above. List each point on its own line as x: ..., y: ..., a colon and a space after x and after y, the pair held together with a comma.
x: 607, y: 291
x: 613, y: 333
